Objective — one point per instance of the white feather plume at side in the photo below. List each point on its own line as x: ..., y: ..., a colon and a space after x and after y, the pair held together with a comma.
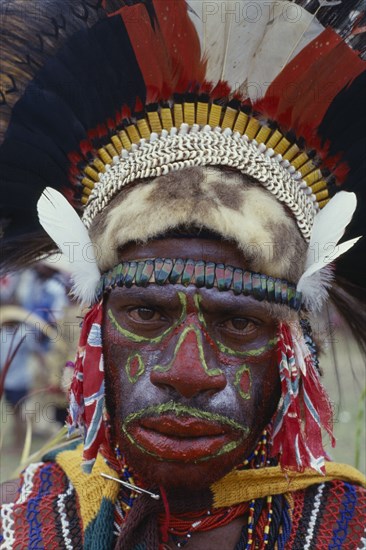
x: 329, y: 227
x: 59, y: 219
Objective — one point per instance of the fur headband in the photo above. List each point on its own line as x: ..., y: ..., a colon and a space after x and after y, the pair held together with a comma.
x: 220, y: 200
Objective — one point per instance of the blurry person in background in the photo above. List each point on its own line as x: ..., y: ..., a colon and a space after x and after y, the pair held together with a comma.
x: 42, y: 290
x: 33, y: 306
x: 20, y: 345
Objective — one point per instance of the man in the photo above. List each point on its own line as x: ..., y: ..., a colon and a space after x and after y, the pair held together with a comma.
x: 196, y: 383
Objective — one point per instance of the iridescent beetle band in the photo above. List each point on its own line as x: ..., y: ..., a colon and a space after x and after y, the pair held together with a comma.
x: 203, y: 275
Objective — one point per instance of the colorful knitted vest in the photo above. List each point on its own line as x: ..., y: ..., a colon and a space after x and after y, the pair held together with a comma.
x: 59, y: 507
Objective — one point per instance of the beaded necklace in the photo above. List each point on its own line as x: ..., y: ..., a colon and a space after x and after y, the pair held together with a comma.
x: 183, y: 526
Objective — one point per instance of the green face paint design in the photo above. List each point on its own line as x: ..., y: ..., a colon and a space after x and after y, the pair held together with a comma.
x: 132, y: 337
x: 134, y: 367
x: 255, y: 352
x: 243, y: 381
x: 192, y: 336
x: 190, y: 332
x: 182, y: 410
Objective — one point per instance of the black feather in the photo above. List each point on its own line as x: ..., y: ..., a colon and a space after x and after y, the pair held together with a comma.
x: 92, y: 75
x: 34, y: 246
x: 344, y: 127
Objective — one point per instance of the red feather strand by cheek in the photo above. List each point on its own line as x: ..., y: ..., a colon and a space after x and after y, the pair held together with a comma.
x: 86, y: 393
x: 304, y: 408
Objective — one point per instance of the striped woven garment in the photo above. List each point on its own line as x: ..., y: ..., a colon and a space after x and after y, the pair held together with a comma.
x: 59, y: 507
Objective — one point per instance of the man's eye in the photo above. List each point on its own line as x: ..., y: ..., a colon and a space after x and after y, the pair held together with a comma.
x: 239, y: 324
x: 144, y: 314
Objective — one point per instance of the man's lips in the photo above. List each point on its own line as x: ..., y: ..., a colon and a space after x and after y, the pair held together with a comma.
x: 183, y: 438
x: 182, y: 427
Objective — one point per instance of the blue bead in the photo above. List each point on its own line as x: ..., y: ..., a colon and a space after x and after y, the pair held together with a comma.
x: 210, y: 274
x: 228, y: 277
x: 247, y: 279
x: 220, y: 276
x: 158, y: 265
x: 130, y: 275
x: 162, y: 276
x: 237, y: 281
x: 177, y: 271
x: 199, y: 273
x: 278, y: 291
x: 188, y: 272
x: 270, y: 289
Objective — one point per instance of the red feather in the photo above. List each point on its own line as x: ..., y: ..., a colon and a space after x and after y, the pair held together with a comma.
x: 125, y: 112
x: 86, y: 146
x: 74, y: 157
x: 92, y: 134
x: 341, y: 172
x: 221, y: 90
x: 118, y: 118
x: 205, y: 88
x: 182, y: 44
x: 102, y: 130
x: 149, y: 48
x: 301, y: 94
x: 138, y: 105
x: 168, y: 55
x: 111, y: 124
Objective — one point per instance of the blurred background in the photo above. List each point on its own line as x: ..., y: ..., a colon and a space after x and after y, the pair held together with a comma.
x: 39, y: 332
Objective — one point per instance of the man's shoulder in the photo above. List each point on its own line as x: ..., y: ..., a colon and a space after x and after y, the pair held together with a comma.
x: 328, y: 515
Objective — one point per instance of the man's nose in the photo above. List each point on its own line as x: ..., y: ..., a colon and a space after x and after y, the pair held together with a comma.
x: 188, y: 372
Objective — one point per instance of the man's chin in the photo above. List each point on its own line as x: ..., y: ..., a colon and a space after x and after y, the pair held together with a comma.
x: 181, y: 474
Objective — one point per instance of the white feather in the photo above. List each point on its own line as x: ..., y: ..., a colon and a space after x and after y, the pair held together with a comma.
x: 329, y: 227
x: 315, y: 288
x: 59, y: 219
x: 268, y: 33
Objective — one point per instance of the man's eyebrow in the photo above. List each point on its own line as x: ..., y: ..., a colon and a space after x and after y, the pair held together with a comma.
x: 249, y: 306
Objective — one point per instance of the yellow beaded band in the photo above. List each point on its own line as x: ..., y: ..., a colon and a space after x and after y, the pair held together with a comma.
x: 202, y: 113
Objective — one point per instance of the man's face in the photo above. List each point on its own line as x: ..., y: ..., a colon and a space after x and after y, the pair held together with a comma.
x: 191, y: 374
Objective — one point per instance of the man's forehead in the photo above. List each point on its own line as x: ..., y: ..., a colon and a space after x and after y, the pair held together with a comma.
x: 195, y: 248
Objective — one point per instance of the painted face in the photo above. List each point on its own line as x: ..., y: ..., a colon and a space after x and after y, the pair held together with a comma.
x: 191, y: 374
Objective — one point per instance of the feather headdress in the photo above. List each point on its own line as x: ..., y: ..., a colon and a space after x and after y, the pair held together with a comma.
x: 272, y: 73
x: 106, y: 95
